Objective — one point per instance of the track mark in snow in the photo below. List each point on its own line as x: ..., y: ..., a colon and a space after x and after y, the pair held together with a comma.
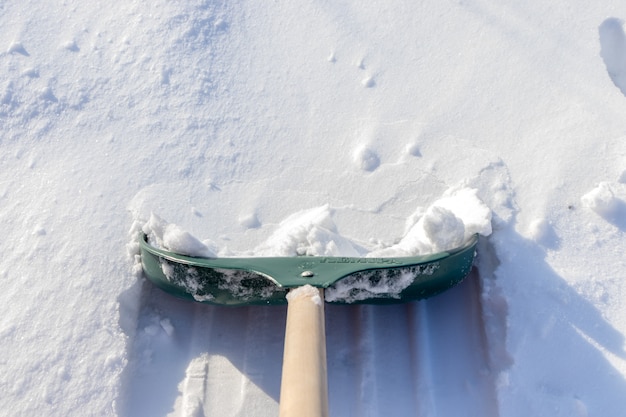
x: 157, y: 351
x: 196, y: 360
x: 262, y: 359
x: 613, y: 50
x: 406, y: 357
x: 188, y: 359
x: 243, y: 347
x: 494, y: 308
x: 193, y: 387
x: 457, y: 320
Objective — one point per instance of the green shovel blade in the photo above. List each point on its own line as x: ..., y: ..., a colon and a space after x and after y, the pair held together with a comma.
x: 248, y: 281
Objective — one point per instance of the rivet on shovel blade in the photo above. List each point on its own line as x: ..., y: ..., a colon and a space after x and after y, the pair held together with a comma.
x: 307, y: 274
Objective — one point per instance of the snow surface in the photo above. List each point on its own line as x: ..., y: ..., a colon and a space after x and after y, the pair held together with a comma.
x: 226, y: 118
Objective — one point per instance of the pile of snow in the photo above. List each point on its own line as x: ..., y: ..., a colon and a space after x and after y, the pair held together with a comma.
x: 309, y: 232
x: 446, y: 224
x: 172, y: 237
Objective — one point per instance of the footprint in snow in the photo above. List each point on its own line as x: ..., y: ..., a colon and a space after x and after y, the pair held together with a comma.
x: 48, y: 95
x: 6, y: 97
x: 366, y: 159
x: 71, y: 46
x: 17, y: 48
x: 249, y: 221
x: 413, y: 149
x: 606, y: 202
x: 613, y: 50
x: 368, y: 82
x: 31, y: 73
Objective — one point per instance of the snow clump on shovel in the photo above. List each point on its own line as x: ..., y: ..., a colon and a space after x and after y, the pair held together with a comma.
x: 310, y: 232
x: 446, y: 224
x: 172, y: 237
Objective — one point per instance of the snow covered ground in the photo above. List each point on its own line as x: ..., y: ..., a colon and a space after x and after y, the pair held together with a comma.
x: 228, y: 117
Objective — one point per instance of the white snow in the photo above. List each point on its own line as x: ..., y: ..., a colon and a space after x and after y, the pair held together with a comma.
x: 314, y: 128
x: 305, y: 291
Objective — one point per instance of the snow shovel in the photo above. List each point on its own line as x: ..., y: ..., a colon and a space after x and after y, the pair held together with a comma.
x: 304, y: 284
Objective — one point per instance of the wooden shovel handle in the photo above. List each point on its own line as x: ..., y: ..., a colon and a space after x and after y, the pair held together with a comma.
x: 304, y: 386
